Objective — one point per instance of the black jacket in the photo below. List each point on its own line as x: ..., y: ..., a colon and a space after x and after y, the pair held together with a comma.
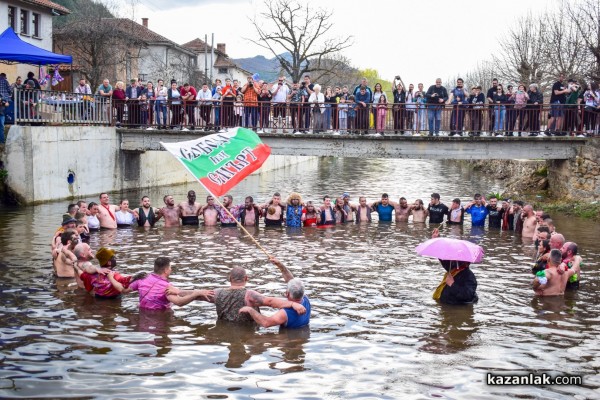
x: 463, y: 291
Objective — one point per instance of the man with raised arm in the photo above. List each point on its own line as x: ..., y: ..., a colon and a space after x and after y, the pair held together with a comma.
x: 287, y: 317
x: 169, y: 212
x: 155, y: 290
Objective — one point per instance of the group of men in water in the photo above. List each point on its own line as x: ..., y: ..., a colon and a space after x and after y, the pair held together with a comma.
x: 557, y: 266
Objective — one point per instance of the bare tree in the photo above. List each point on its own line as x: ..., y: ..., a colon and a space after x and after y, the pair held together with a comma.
x: 586, y: 18
x: 522, y: 56
x: 336, y: 71
x: 298, y: 36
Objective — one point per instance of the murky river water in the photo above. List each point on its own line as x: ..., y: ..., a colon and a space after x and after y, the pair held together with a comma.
x: 375, y: 330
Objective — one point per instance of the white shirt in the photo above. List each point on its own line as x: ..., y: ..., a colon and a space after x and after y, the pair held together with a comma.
x: 123, y: 217
x: 281, y: 95
x: 93, y: 222
x: 204, y: 95
x: 320, y: 98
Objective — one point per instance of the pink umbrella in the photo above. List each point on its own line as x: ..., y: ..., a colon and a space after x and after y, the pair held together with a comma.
x: 451, y: 249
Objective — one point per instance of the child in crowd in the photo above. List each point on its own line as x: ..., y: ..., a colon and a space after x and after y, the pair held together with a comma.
x: 238, y: 110
x: 381, y: 113
x: 343, y: 115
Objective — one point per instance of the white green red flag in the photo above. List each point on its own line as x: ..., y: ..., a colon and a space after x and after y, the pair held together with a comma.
x: 222, y: 160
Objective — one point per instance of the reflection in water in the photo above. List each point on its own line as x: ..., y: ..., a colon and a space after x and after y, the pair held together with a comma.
x: 454, y: 330
x: 375, y: 330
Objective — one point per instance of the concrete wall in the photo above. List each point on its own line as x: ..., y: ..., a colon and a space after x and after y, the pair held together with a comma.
x: 39, y: 160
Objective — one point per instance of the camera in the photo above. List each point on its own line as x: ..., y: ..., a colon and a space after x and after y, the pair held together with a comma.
x: 303, y: 84
x: 397, y: 77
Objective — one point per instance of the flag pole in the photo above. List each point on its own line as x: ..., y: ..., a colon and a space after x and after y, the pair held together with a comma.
x: 240, y: 225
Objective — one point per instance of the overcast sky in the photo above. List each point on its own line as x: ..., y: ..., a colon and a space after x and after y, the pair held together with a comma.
x: 420, y: 39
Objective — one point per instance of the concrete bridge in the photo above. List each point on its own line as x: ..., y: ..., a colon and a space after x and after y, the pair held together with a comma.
x: 389, y: 146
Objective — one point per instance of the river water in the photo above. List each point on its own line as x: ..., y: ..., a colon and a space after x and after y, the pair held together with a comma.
x: 375, y: 330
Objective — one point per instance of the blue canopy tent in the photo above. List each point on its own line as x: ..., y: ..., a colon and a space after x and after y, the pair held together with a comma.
x: 14, y: 50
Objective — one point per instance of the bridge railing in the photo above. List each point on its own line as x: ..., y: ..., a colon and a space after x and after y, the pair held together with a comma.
x: 408, y: 118
x: 53, y: 107
x: 37, y: 106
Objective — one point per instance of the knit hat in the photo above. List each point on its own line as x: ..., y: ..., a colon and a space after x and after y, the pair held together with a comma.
x: 104, y: 255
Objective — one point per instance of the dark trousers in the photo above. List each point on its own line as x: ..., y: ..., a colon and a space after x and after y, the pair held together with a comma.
x: 190, y: 110
x: 457, y: 119
x: 306, y: 112
x: 362, y: 119
x: 227, y: 114
x: 476, y: 121
x: 205, y: 114
x: 398, y: 118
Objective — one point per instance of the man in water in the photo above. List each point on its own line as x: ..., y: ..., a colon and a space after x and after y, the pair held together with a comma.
x: 209, y: 212
x: 236, y: 297
x: 155, y: 291
x: 227, y: 220
x: 146, y: 215
x: 250, y: 214
x: 383, y: 208
x: 94, y: 281
x: 459, y: 285
x: 477, y: 210
x: 106, y: 213
x: 274, y: 211
x: 494, y: 217
x: 293, y: 211
x: 349, y: 208
x: 403, y: 211
x: 554, y: 282
x: 83, y: 206
x: 287, y: 317
x: 189, y: 210
x: 363, y: 211
x: 456, y: 215
x: 63, y: 257
x: 169, y: 212
x: 570, y: 257
x: 92, y: 217
x: 529, y: 221
x: 419, y: 212
x: 327, y: 214
x: 436, y: 209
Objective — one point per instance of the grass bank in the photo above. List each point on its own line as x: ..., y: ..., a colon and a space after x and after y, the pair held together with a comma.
x: 582, y: 210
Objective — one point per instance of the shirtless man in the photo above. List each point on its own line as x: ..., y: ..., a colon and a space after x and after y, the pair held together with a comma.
x: 169, y: 212
x: 209, y: 212
x: 106, y: 213
x: 146, y: 214
x: 529, y: 222
x: 250, y: 215
x: 363, y: 211
x: 276, y: 218
x: 569, y: 255
x: 402, y: 210
x: 63, y: 257
x: 189, y: 210
x: 554, y: 282
x: 349, y: 207
x: 419, y: 212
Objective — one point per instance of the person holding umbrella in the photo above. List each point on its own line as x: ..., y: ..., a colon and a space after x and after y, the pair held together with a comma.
x: 459, y: 285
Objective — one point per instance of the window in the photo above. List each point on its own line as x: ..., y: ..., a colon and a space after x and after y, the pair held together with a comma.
x: 24, y: 22
x: 223, y: 70
x: 35, y: 25
x: 12, y: 17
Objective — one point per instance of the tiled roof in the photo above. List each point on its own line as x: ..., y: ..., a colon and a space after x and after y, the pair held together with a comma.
x: 224, y: 62
x: 49, y: 4
x: 130, y: 27
x: 198, y: 46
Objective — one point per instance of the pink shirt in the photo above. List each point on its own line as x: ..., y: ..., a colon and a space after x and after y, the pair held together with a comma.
x: 152, y: 292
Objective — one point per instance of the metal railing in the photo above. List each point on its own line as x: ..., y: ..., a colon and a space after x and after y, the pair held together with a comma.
x: 35, y: 106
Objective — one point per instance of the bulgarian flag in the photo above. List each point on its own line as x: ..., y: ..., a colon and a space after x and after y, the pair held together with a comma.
x: 222, y: 160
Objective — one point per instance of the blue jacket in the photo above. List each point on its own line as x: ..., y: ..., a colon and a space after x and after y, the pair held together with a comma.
x: 478, y: 215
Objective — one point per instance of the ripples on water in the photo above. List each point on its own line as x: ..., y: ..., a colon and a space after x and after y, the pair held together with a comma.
x: 375, y: 331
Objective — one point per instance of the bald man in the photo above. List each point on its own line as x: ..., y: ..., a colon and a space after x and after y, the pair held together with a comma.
x: 529, y: 222
x: 555, y: 281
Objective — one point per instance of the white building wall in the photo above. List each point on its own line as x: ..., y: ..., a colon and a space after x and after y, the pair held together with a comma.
x: 232, y: 73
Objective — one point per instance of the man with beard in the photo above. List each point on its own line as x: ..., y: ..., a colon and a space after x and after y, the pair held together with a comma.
x: 169, y: 212
x: 419, y: 212
x: 570, y: 259
x: 436, y: 209
x: 63, y: 257
x: 106, y: 213
x: 529, y: 221
x: 494, y: 217
x: 250, y: 215
x: 383, y: 208
x: 553, y: 280
x: 293, y: 210
x: 146, y: 215
x: 458, y: 99
x: 227, y: 220
x: 477, y: 210
x: 189, y: 210
x: 363, y: 211
x: 402, y: 210
x: 93, y: 280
